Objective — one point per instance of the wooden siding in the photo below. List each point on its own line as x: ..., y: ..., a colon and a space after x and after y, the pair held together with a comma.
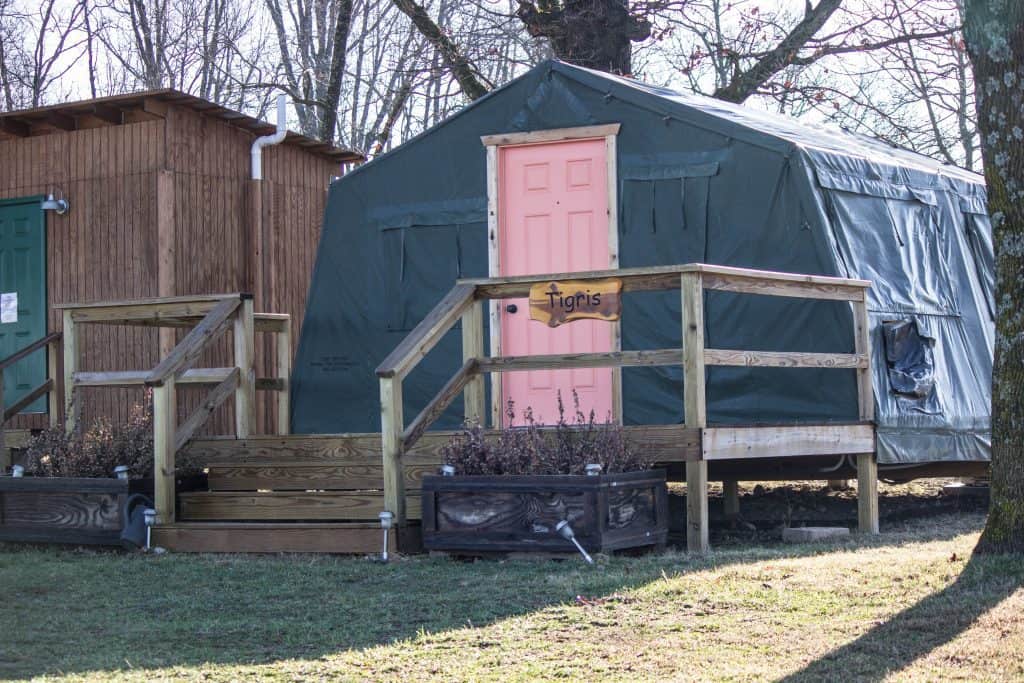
x: 106, y: 247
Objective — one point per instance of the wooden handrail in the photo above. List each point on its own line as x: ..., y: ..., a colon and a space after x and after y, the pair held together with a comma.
x: 29, y: 350
x: 195, y: 342
x: 428, y: 333
x: 744, y: 280
x: 27, y: 400
x: 691, y: 279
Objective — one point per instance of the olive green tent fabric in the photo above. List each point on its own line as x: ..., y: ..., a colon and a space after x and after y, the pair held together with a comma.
x: 699, y: 180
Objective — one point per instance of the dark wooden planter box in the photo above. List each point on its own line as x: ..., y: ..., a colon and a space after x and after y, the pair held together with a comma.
x: 479, y: 514
x: 69, y: 509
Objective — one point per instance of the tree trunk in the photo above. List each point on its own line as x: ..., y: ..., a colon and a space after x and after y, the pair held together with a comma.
x: 994, y: 31
x: 597, y: 34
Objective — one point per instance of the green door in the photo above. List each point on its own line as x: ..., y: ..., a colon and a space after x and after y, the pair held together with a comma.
x: 22, y: 296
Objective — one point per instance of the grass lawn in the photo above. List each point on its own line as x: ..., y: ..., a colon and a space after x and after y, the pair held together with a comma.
x: 911, y: 604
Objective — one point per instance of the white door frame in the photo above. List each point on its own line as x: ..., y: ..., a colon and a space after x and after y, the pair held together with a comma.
x: 492, y: 143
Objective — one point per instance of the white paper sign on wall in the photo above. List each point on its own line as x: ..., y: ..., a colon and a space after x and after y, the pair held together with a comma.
x: 9, y: 307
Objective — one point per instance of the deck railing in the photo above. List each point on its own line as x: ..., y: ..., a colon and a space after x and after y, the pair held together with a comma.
x: 51, y: 343
x: 208, y: 318
x: 464, y: 302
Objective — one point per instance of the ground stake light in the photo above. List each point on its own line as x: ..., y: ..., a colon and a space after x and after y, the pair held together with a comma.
x: 121, y: 471
x: 592, y: 470
x: 565, y: 531
x: 17, y: 471
x: 150, y: 515
x: 386, y: 519
x: 447, y: 471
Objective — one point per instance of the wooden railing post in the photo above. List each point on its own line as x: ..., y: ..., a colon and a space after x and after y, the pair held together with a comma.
x: 473, y: 347
x: 52, y: 364
x: 392, y: 423
x: 3, y: 445
x: 245, y: 394
x: 867, y: 463
x: 71, y: 409
x: 284, y: 371
x: 164, y: 417
x: 694, y: 408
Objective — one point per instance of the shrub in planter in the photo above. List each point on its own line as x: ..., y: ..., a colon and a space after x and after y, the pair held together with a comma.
x: 70, y: 494
x: 512, y: 489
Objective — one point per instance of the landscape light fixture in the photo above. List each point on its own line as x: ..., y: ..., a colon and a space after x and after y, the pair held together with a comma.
x: 121, y: 471
x: 592, y: 470
x: 565, y: 531
x: 150, y: 516
x: 59, y: 205
x: 17, y: 471
x: 447, y: 471
x: 386, y: 520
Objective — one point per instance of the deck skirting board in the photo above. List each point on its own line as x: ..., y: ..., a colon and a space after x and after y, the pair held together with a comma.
x: 729, y: 443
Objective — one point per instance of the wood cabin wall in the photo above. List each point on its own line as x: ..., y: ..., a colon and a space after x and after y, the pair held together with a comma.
x: 104, y: 247
x: 215, y: 233
x: 108, y: 245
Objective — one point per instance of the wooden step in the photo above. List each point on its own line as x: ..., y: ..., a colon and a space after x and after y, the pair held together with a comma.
x: 309, y: 448
x: 288, y: 505
x: 248, y: 537
x: 358, y: 473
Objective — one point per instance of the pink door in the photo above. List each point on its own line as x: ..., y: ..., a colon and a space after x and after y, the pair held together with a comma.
x: 554, y: 200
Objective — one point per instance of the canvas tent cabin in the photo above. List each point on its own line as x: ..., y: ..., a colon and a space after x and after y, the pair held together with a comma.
x: 161, y: 203
x: 586, y: 171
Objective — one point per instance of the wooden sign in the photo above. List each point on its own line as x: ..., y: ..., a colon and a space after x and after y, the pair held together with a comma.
x: 555, y: 303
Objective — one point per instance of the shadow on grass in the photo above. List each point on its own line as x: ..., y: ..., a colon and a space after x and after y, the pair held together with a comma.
x: 78, y: 612
x: 911, y: 634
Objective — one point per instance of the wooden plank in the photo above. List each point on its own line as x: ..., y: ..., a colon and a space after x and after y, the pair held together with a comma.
x: 552, y: 135
x: 343, y: 474
x: 784, y: 359
x: 694, y: 408
x: 809, y: 289
x: 245, y: 392
x: 867, y: 493
x: 53, y: 373
x: 862, y: 345
x: 392, y: 423
x: 166, y: 249
x: 195, y: 342
x: 164, y: 417
x: 289, y: 505
x: 474, y: 397
x: 731, y: 498
x: 202, y: 413
x: 582, y: 360
x: 128, y: 378
x: 28, y: 350
x: 160, y: 303
x: 439, y: 403
x: 71, y: 338
x: 283, y: 368
x: 611, y: 157
x: 428, y: 333
x: 725, y: 443
x: 63, y: 485
x: 556, y: 303
x: 667, y: 277
x: 267, y: 537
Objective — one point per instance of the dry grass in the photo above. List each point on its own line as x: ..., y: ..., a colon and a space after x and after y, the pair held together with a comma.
x: 909, y: 605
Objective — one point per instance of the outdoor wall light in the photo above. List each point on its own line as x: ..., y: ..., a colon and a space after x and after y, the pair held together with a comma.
x: 565, y: 531
x: 447, y: 471
x: 386, y: 520
x: 17, y: 471
x: 592, y: 470
x: 121, y: 471
x: 150, y: 515
x: 61, y: 206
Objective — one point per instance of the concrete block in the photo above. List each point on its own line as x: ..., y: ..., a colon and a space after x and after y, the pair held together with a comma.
x: 814, y: 534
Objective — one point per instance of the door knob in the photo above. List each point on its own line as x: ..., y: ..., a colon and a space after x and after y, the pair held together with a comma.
x: 511, y: 308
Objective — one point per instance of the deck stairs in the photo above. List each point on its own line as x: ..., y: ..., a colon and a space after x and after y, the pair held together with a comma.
x: 319, y: 493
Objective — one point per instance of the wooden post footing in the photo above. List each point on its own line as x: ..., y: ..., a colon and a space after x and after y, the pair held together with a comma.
x: 867, y: 493
x: 697, y: 506
x: 731, y: 499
